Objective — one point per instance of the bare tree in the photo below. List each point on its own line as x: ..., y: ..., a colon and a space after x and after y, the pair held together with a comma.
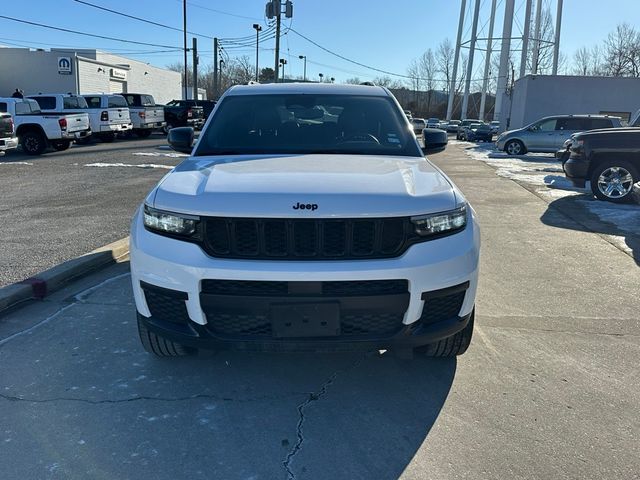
x: 428, y: 70
x: 444, y: 61
x: 582, y: 61
x: 622, y: 52
x: 353, y: 81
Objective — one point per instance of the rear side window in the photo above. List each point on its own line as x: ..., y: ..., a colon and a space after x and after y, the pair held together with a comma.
x: 46, y: 103
x: 74, y: 103
x: 27, y: 106
x: 596, y: 123
x: 570, y: 124
x: 117, y: 101
x: 93, y: 102
x: 3, y: 107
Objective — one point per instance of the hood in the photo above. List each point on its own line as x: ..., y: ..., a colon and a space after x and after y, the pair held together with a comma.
x: 326, y: 185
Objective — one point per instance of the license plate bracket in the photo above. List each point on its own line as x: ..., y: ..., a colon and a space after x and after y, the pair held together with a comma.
x: 305, y: 320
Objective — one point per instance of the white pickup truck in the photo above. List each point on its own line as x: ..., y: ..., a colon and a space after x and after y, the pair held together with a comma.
x: 37, y: 130
x: 108, y: 115
x: 67, y: 104
x: 145, y: 114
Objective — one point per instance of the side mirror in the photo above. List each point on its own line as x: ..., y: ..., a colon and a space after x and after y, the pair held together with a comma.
x: 181, y: 139
x: 434, y: 140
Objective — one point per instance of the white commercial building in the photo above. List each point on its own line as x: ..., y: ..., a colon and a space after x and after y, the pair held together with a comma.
x: 537, y: 96
x: 83, y: 71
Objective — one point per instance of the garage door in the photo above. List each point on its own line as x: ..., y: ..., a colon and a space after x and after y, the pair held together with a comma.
x: 117, y: 87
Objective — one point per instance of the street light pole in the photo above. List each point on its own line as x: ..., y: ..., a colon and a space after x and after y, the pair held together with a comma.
x: 283, y: 62
x: 321, y: 75
x: 184, y: 31
x: 258, y: 29
x: 305, y: 66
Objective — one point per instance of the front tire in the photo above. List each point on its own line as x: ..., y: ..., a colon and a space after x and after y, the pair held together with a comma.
x: 33, y: 143
x: 515, y: 147
x: 166, y: 128
x: 451, y: 346
x: 159, y: 346
x: 613, y: 181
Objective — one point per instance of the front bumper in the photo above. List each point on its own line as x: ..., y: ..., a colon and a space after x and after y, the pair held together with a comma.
x: 500, y: 143
x: 8, y: 143
x: 181, y: 269
x: 576, y: 169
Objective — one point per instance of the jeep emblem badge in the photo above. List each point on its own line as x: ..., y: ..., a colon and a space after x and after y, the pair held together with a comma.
x: 305, y: 206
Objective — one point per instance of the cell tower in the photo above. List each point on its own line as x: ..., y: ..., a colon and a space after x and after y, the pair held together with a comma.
x: 531, y: 38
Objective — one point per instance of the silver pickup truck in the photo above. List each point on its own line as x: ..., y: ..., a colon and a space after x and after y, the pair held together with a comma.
x: 146, y: 116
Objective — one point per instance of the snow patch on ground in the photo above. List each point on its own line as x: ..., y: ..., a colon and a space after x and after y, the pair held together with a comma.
x: 545, y: 175
x: 158, y: 154
x: 16, y: 163
x: 136, y: 165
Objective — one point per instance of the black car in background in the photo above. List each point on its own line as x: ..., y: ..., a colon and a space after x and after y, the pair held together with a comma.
x: 184, y: 113
x: 478, y: 132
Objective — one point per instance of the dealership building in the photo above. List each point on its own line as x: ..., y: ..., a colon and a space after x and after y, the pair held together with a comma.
x: 537, y: 96
x: 82, y: 72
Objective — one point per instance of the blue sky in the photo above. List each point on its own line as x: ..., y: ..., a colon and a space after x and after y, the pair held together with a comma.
x: 384, y: 34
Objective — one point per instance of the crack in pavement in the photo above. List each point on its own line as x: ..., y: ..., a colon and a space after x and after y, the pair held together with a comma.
x: 12, y: 398
x: 313, y: 396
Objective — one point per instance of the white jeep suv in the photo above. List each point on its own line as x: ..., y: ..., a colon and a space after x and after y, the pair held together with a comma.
x: 306, y: 217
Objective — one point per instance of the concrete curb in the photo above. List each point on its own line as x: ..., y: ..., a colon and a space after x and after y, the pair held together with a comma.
x: 44, y: 283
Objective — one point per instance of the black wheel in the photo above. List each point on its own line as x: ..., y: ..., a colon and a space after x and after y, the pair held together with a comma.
x: 61, y: 145
x: 166, y: 128
x: 161, y: 347
x: 144, y: 133
x: 107, y: 137
x: 451, y: 346
x: 33, y: 143
x: 613, y: 181
x: 515, y: 147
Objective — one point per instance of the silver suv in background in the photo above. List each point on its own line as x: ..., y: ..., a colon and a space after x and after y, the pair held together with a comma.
x: 548, y: 134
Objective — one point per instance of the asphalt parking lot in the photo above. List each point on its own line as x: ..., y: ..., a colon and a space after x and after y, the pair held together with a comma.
x: 548, y: 389
x: 61, y: 205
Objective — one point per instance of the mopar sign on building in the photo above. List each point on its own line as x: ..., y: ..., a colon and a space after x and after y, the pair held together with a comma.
x: 83, y: 71
x: 64, y: 65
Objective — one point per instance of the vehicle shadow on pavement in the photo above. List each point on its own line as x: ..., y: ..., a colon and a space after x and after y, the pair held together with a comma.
x: 576, y: 212
x: 94, y: 401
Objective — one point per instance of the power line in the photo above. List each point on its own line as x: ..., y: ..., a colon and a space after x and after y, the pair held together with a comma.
x: 60, y: 29
x: 222, y: 12
x: 141, y: 19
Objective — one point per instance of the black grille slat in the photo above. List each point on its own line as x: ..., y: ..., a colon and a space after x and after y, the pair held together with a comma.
x: 328, y: 289
x: 371, y: 323
x: 307, y: 239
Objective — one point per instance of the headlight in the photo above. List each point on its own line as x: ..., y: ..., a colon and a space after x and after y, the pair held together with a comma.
x: 170, y: 223
x: 439, y: 223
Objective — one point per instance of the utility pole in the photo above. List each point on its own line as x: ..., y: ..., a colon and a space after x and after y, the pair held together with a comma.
x: 536, y: 40
x: 276, y: 4
x: 215, y: 68
x: 487, y: 61
x: 452, y: 86
x: 504, y: 58
x: 274, y: 10
x: 184, y: 31
x: 472, y: 50
x: 556, y: 45
x: 195, y: 68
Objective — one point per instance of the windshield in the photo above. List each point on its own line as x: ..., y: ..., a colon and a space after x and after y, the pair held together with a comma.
x: 305, y: 124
